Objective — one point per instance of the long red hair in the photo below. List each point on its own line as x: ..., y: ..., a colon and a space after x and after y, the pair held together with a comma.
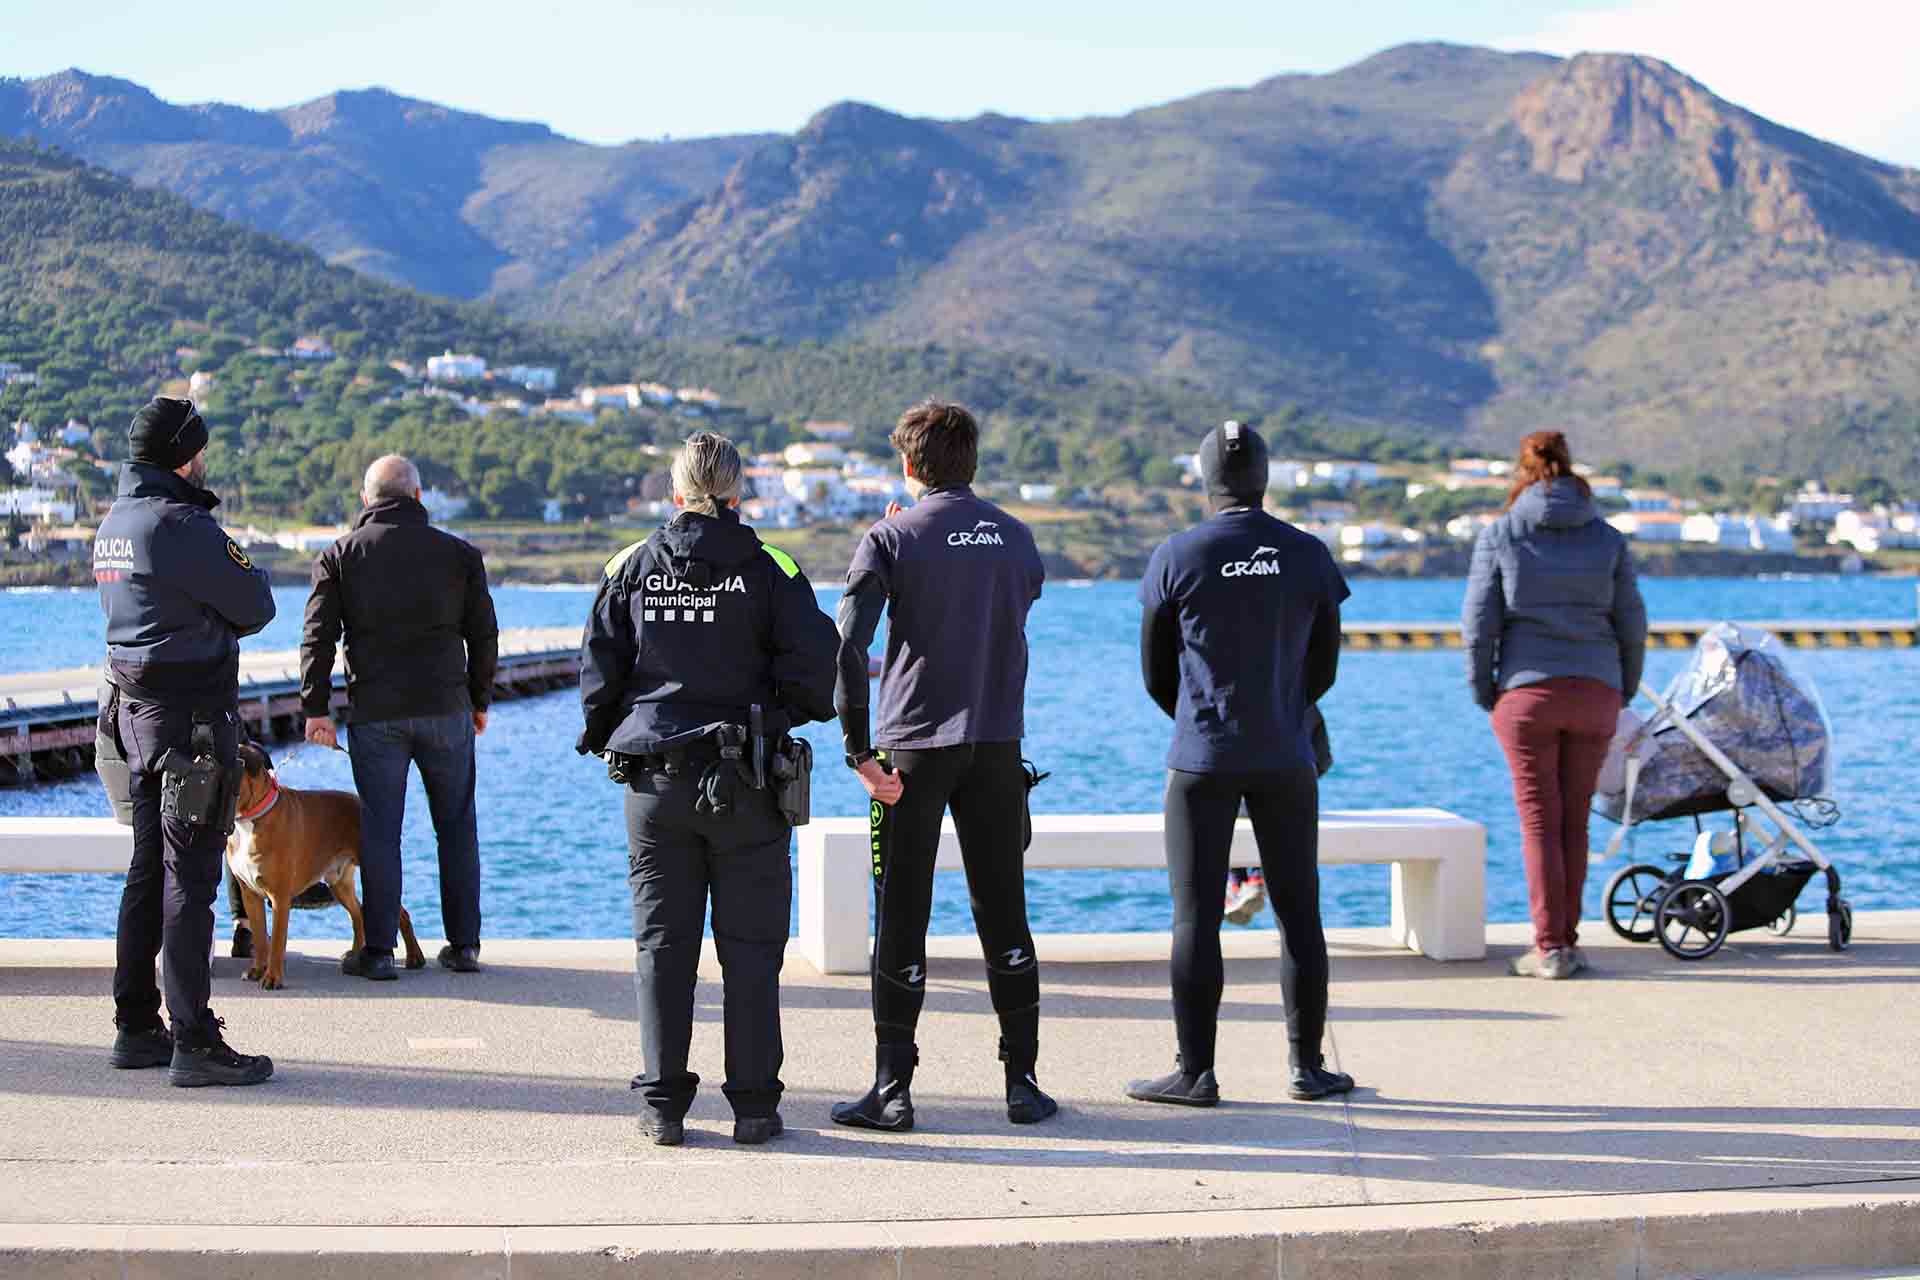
x: 1544, y: 455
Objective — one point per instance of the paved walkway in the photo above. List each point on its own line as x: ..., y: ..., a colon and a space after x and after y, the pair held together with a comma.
x: 1777, y: 1069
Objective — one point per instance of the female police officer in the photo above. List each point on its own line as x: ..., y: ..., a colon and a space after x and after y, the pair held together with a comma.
x: 704, y: 648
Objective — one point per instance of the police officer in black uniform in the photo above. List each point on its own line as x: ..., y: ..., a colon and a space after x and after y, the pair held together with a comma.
x: 178, y: 594
x: 1239, y: 638
x: 705, y: 647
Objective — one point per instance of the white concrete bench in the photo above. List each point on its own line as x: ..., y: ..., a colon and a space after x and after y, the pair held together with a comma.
x: 1439, y: 897
x: 37, y: 845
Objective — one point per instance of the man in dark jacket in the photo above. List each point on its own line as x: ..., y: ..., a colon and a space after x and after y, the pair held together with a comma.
x: 422, y: 645
x: 178, y: 594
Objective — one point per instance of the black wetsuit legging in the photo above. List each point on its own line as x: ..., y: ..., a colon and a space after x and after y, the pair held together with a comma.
x: 986, y: 787
x: 1201, y: 811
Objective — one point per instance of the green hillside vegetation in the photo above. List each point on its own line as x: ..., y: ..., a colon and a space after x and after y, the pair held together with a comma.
x: 111, y: 292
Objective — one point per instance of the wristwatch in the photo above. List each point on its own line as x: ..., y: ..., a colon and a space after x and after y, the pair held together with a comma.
x: 857, y: 758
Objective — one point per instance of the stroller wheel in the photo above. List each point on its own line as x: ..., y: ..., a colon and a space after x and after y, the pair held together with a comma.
x: 1632, y: 897
x: 1691, y: 920
x: 1782, y: 925
x: 1839, y: 925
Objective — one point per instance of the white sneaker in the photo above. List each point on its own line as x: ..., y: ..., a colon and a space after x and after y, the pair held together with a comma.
x: 1245, y: 900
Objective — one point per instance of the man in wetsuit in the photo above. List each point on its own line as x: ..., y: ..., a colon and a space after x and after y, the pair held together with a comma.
x: 1240, y: 636
x: 955, y: 576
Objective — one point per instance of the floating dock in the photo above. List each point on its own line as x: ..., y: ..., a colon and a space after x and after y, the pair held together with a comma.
x: 47, y: 718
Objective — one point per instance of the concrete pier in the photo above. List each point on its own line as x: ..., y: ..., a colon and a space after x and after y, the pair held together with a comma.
x: 1756, y: 1113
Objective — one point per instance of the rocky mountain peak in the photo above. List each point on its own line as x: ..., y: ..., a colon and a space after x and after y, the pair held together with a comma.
x: 367, y: 114
x: 1596, y: 114
x: 73, y: 104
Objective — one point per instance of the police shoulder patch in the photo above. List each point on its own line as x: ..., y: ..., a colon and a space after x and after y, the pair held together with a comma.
x: 787, y: 564
x: 622, y: 556
x: 238, y: 556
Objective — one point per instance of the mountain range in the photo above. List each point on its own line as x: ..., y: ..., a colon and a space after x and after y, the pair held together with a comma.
x: 1452, y: 240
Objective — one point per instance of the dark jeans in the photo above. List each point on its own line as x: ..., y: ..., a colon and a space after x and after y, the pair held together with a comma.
x: 985, y: 786
x: 442, y: 746
x: 1201, y: 811
x: 1556, y: 735
x: 167, y: 905
x: 675, y: 858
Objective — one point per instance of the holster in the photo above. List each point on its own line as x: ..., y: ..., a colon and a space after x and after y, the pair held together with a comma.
x: 195, y: 787
x: 792, y: 768
x: 110, y: 758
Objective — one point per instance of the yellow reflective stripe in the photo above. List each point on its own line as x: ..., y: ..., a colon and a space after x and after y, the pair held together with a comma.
x: 620, y: 557
x: 781, y: 558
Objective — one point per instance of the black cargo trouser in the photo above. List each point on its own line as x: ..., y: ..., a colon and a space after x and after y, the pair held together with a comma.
x: 166, y: 908
x: 675, y: 858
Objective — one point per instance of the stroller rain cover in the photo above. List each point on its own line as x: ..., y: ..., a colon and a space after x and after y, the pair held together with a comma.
x: 1740, y: 694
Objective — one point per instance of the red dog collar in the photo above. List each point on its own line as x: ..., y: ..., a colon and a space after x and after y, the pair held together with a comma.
x: 273, y: 798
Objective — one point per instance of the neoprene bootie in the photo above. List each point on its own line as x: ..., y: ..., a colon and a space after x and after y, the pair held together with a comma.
x: 888, y: 1106
x: 1180, y: 1088
x: 1310, y: 1079
x: 1027, y: 1103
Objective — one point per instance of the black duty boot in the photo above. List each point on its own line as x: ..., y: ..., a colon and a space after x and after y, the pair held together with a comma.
x: 374, y: 966
x: 662, y: 1131
x: 1180, y: 1088
x: 1026, y: 1103
x: 751, y: 1131
x: 208, y: 1059
x: 1311, y: 1080
x: 888, y: 1106
x: 242, y: 942
x: 136, y: 1048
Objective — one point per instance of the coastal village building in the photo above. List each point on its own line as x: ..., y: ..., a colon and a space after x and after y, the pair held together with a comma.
x: 534, y: 377
x: 37, y: 504
x: 450, y: 367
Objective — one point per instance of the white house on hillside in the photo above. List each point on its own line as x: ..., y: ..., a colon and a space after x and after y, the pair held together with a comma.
x: 455, y: 368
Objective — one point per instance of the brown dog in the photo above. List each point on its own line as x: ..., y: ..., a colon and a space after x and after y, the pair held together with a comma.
x: 285, y: 841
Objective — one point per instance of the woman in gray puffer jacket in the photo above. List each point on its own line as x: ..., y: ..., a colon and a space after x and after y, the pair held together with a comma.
x: 1556, y: 635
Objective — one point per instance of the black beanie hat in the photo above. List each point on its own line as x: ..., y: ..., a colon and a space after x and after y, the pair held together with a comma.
x: 166, y: 433
x: 1233, y: 462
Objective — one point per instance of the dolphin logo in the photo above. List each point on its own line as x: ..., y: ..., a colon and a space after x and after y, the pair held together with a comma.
x: 985, y: 524
x: 1266, y: 551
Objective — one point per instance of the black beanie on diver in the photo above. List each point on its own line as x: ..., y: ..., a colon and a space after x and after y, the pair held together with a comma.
x: 1233, y: 462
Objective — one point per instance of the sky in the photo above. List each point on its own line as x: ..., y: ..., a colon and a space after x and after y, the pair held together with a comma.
x: 607, y: 72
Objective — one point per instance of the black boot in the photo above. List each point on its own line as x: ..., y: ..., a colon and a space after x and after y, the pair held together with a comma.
x: 208, y: 1059
x: 136, y: 1048
x: 242, y: 942
x: 1311, y: 1080
x: 888, y: 1106
x: 1026, y: 1103
x: 1181, y: 1088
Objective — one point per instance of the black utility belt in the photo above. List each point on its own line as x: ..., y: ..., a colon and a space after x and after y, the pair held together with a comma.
x: 669, y: 762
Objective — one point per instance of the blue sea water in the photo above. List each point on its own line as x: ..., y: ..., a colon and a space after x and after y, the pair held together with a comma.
x: 1404, y: 733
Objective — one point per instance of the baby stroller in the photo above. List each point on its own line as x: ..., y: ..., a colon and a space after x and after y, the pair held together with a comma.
x: 1736, y: 731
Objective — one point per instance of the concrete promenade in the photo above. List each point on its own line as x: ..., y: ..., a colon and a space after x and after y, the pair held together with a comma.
x: 1752, y: 1114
